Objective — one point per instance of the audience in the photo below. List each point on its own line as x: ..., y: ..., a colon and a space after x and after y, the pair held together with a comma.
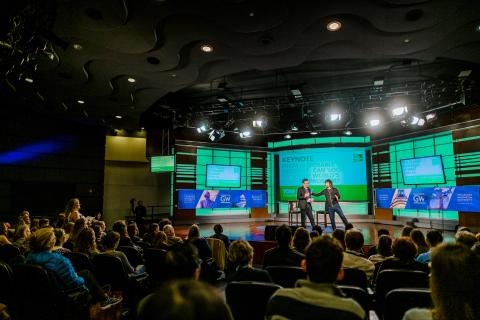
x: 384, y: 249
x: 80, y: 224
x: 170, y: 232
x: 43, y: 223
x: 186, y: 300
x: 282, y: 254
x: 121, y: 227
x: 353, y: 257
x: 466, y: 238
x: 434, y: 238
x: 22, y: 234
x: 24, y: 218
x: 69, y: 226
x: 454, y: 281
x: 240, y: 254
x: 86, y: 242
x: 153, y: 228
x: 4, y: 234
x: 59, y: 241
x: 134, y: 232
x: 182, y: 262
x: 314, y: 234
x: 419, y: 239
x: 194, y: 238
x: 301, y: 239
x: 110, y: 245
x: 161, y: 241
x: 218, y: 229
x: 380, y: 232
x: 406, y: 231
x: 317, y: 297
x: 339, y: 234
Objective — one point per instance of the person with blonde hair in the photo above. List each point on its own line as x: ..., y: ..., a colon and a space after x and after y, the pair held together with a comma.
x: 170, y: 232
x: 41, y: 244
x: 301, y: 239
x: 72, y: 210
x: 240, y: 255
x: 86, y: 242
x: 194, y: 238
x: 160, y: 241
x: 21, y: 236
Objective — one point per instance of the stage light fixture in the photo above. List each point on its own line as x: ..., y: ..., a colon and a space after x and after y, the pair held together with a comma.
x: 421, y: 122
x: 29, y: 80
x: 430, y: 117
x: 131, y: 80
x: 378, y: 81
x: 259, y: 122
x: 334, y: 25
x: 414, y: 120
x: 399, y: 111
x: 118, y: 117
x: 216, y: 135
x: 207, y: 48
x: 374, y: 122
x: 314, y: 133
x: 334, y: 117
x: 202, y: 126
x: 222, y: 99
x: 347, y: 132
x: 245, y: 133
x: 464, y: 73
x: 77, y: 46
x: 287, y: 136
x: 80, y: 101
x: 296, y: 93
x: 294, y: 127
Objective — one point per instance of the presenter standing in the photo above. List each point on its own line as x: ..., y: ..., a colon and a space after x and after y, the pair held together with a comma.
x: 304, y: 197
x: 331, y: 203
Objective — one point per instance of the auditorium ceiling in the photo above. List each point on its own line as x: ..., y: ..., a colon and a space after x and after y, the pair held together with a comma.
x: 127, y: 63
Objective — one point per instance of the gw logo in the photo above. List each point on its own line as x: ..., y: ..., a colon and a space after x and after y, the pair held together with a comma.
x: 225, y: 198
x: 418, y: 198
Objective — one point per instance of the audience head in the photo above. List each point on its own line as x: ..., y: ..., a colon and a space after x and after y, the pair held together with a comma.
x: 97, y: 228
x: 153, y: 228
x: 406, y: 231
x: 86, y: 241
x: 111, y: 240
x: 43, y: 223
x: 240, y: 253
x: 121, y: 227
x: 159, y: 238
x: 186, y: 300
x: 404, y: 249
x: 69, y: 227
x: 459, y: 229
x: 348, y: 226
x: 354, y: 240
x: 72, y: 205
x: 168, y: 229
x: 193, y: 232
x: 434, y: 238
x: 314, y: 234
x: 317, y: 228
x: 466, y: 238
x: 384, y: 247
x: 163, y: 223
x: 59, y: 237
x: 301, y: 239
x: 22, y: 232
x: 218, y: 229
x: 382, y: 231
x: 24, y: 217
x: 80, y: 224
x: 182, y: 262
x: 42, y: 240
x: 323, y: 260
x: 418, y: 238
x: 455, y: 278
x: 132, y: 230
x: 339, y: 234
x: 3, y: 229
x: 283, y: 236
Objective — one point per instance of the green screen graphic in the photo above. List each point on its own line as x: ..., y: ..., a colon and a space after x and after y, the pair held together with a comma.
x: 425, y: 170
x: 221, y: 176
x: 162, y: 164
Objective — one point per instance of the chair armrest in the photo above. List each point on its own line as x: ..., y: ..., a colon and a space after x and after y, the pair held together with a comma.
x: 372, y: 315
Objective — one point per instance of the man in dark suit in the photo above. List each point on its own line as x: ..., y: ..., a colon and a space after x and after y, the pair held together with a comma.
x: 331, y: 203
x: 304, y: 197
x: 282, y: 254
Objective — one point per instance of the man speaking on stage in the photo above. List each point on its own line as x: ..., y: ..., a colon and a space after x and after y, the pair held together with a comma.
x: 331, y: 203
x: 304, y: 197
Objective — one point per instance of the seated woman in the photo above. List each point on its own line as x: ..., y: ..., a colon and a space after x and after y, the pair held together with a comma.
x: 21, y: 237
x: 4, y: 234
x: 79, y: 225
x: 301, y: 239
x: 110, y: 245
x: 240, y: 255
x: 454, y: 282
x: 153, y: 228
x: 125, y: 241
x: 204, y: 251
x: 384, y: 249
x: 418, y: 239
x: 160, y: 241
x: 59, y: 241
x: 41, y: 244
x: 86, y: 242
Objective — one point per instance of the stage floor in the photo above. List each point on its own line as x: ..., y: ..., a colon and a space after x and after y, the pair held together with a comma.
x: 255, y: 231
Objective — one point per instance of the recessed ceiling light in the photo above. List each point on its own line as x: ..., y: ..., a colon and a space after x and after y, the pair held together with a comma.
x: 314, y: 133
x: 29, y: 80
x: 251, y: 14
x: 406, y: 40
x: 334, y: 25
x: 80, y: 101
x: 347, y: 132
x: 173, y: 75
x: 118, y: 117
x: 132, y: 80
x: 287, y: 136
x: 477, y: 28
x: 206, y: 48
x: 77, y: 46
x: 142, y: 128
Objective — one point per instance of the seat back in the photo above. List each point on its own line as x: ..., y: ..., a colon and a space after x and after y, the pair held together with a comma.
x: 358, y: 294
x: 80, y: 261
x: 219, y: 252
x: 109, y: 270
x: 399, y: 301
x: 354, y: 277
x: 293, y: 207
x: 8, y: 252
x: 6, y: 279
x: 258, y: 294
x: 133, y: 255
x: 390, y: 279
x: 155, y: 262
x: 286, y: 276
x: 143, y: 244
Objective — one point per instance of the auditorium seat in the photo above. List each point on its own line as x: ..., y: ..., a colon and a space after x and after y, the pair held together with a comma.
x: 38, y: 296
x: 354, y: 277
x: 391, y: 279
x: 399, y: 301
x: 286, y: 276
x: 6, y: 280
x: 80, y: 261
x: 154, y: 263
x: 248, y: 300
x: 219, y: 252
x: 143, y: 244
x: 358, y: 294
x: 133, y: 255
x: 9, y: 253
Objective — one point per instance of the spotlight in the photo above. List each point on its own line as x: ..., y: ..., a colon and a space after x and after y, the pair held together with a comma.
x: 207, y: 48
x: 314, y: 133
x: 378, y: 81
x: 222, y: 99
x: 414, y: 120
x: 421, y: 122
x: 80, y: 101
x: 347, y: 132
x: 131, y: 80
x: 399, y: 111
x: 77, y: 46
x: 216, y: 135
x: 287, y: 136
x: 430, y: 117
x: 335, y: 117
x: 334, y: 25
x: 118, y: 117
x: 296, y: 93
x: 202, y: 126
x: 374, y: 122
x: 259, y: 122
x: 245, y: 133
x: 29, y: 80
x: 294, y: 127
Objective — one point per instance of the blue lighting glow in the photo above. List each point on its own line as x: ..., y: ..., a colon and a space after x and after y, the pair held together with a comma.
x: 32, y: 151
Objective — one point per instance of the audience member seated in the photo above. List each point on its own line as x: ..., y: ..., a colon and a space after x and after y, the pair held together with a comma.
x: 194, y: 238
x: 317, y: 228
x: 99, y: 231
x: 22, y: 234
x: 353, y: 257
x: 59, y: 241
x: 41, y: 245
x: 384, y: 249
x: 240, y: 254
x: 301, y: 239
x: 24, y: 218
x: 434, y: 238
x: 186, y: 300
x: 317, y: 297
x: 348, y: 226
x: 43, y: 223
x: 339, y: 234
x: 314, y: 234
x: 121, y: 227
x: 170, y: 232
x: 182, y: 262
x: 4, y: 234
x: 404, y: 253
x: 110, y: 245
x: 153, y: 228
x: 419, y: 239
x: 373, y: 249
x: 161, y: 241
x: 80, y: 224
x: 455, y: 279
x: 466, y: 238
x: 406, y: 231
x: 282, y: 254
x: 68, y: 230
x: 162, y: 223
x: 218, y: 229
x: 134, y: 232
x: 86, y: 242
x: 34, y: 225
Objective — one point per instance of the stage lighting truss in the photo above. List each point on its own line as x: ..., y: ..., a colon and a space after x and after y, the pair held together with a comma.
x: 399, y: 111
x: 245, y: 133
x: 216, y: 135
